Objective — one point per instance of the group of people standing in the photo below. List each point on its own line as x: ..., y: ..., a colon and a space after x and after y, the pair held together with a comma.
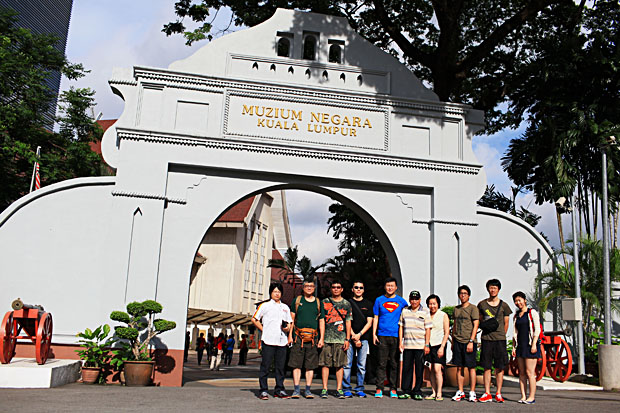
x: 219, y: 349
x: 333, y: 332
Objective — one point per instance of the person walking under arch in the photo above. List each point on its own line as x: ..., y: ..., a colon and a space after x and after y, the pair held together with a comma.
x: 526, y: 346
x: 243, y: 350
x: 439, y: 337
x: 273, y: 318
x: 218, y: 350
x: 337, y: 334
x: 361, y: 328
x: 201, y: 345
x: 494, y: 320
x: 387, y: 310
x: 464, y: 332
x: 414, y: 336
x: 307, y: 336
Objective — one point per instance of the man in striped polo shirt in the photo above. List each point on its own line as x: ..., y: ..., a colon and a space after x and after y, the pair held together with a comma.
x: 414, y: 335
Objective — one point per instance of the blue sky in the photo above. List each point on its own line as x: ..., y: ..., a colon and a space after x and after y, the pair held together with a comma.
x: 115, y: 33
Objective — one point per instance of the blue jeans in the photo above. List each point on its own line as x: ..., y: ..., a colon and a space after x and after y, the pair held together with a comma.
x: 362, y: 353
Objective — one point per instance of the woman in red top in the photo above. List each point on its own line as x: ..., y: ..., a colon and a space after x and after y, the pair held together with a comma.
x: 218, y: 346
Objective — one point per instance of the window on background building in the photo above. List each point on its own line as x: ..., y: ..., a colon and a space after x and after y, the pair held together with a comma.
x: 310, y: 46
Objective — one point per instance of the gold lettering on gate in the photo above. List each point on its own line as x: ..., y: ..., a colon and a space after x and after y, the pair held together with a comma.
x: 319, y: 122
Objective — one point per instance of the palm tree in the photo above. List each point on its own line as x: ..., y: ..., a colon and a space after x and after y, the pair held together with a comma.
x: 292, y: 265
x: 561, y: 283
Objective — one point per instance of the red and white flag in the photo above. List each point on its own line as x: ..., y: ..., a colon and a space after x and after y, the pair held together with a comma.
x: 36, y: 178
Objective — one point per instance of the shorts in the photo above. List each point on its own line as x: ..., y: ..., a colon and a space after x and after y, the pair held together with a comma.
x: 460, y: 356
x: 333, y: 355
x: 433, y: 358
x: 303, y: 357
x: 493, y: 352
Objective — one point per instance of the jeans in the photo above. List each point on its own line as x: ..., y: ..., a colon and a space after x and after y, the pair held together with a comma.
x: 412, y: 360
x: 270, y: 353
x: 362, y: 353
x: 388, y: 357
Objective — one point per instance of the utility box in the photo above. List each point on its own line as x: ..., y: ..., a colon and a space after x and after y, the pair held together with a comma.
x: 571, y: 309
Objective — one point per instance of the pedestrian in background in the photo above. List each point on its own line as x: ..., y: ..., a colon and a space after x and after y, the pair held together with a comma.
x: 201, y: 345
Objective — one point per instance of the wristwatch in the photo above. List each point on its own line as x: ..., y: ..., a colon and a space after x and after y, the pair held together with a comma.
x: 471, y: 341
x: 428, y: 345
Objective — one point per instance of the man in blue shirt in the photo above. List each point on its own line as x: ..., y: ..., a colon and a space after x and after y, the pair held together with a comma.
x: 387, y: 311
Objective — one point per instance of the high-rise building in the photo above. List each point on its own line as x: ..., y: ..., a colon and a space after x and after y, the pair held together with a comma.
x: 45, y: 17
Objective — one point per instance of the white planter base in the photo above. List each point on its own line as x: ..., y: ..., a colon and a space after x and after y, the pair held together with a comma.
x: 26, y: 373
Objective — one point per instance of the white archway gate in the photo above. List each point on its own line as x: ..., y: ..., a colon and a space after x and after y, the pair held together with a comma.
x: 237, y: 119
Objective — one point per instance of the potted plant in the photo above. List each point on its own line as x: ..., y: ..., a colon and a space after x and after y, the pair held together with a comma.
x: 141, y: 326
x: 94, y: 352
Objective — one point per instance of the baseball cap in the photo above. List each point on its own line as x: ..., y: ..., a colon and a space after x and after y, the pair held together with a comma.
x: 415, y: 294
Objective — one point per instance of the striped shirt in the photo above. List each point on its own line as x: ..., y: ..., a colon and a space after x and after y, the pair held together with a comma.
x: 414, y: 325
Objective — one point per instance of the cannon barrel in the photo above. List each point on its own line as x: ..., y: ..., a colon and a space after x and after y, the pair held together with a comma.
x: 565, y: 332
x: 19, y: 305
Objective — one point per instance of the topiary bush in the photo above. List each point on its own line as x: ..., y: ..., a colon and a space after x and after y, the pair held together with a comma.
x: 141, y: 326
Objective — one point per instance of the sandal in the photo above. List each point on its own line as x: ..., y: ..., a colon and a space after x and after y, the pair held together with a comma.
x: 431, y: 397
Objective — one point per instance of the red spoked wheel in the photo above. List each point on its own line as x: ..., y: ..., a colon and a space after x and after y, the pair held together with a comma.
x: 8, y: 338
x: 541, y: 365
x: 44, y: 337
x: 560, y: 361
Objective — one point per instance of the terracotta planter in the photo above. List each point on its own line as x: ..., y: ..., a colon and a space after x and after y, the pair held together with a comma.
x: 138, y: 373
x: 90, y: 374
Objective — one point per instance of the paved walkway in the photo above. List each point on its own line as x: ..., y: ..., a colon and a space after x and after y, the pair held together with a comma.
x: 235, y: 388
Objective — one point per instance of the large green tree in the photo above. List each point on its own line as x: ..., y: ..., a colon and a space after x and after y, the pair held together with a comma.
x: 26, y: 59
x: 469, y: 51
x: 571, y: 95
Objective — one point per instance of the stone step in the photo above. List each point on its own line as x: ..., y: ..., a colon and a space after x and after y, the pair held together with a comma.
x: 23, y: 373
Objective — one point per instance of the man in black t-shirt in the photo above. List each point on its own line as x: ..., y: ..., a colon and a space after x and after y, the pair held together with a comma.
x: 361, y: 328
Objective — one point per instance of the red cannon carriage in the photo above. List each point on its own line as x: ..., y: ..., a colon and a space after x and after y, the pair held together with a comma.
x: 556, y: 358
x: 34, y: 322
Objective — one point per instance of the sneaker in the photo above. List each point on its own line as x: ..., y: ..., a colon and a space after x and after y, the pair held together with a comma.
x: 379, y: 394
x: 472, y: 396
x: 458, y: 396
x: 404, y: 396
x: 264, y: 395
x: 324, y: 394
x: 340, y: 394
x: 348, y: 394
x: 308, y: 394
x: 281, y: 395
x: 486, y: 397
x: 296, y: 394
x: 418, y: 397
x: 361, y: 394
x: 499, y: 398
x: 393, y: 394
x: 529, y: 401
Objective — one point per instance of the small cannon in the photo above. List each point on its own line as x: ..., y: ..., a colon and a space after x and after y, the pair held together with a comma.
x: 36, y: 324
x: 556, y: 358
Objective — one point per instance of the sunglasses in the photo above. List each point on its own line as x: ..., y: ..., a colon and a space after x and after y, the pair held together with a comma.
x: 358, y: 288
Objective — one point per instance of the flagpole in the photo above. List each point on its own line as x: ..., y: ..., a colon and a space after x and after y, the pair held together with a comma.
x: 34, y: 167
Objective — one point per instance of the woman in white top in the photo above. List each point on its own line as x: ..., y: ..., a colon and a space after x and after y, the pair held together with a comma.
x: 439, y: 337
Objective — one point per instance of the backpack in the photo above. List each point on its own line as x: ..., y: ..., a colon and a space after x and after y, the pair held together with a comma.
x: 306, y: 335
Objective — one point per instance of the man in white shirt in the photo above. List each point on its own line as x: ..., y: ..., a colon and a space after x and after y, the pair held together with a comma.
x: 273, y: 318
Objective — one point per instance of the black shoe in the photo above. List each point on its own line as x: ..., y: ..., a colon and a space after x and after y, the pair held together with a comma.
x: 281, y: 394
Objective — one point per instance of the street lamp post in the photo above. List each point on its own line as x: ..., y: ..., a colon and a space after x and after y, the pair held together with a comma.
x: 580, y: 343
x: 606, y: 282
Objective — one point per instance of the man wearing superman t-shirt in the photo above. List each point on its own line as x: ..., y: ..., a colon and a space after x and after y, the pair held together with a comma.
x: 387, y: 311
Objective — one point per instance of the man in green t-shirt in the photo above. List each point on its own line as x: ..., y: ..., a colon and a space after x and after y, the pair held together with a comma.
x: 338, y: 316
x: 307, y: 336
x: 493, y: 351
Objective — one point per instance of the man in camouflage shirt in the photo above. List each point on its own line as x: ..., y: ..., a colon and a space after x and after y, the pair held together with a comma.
x: 338, y: 316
